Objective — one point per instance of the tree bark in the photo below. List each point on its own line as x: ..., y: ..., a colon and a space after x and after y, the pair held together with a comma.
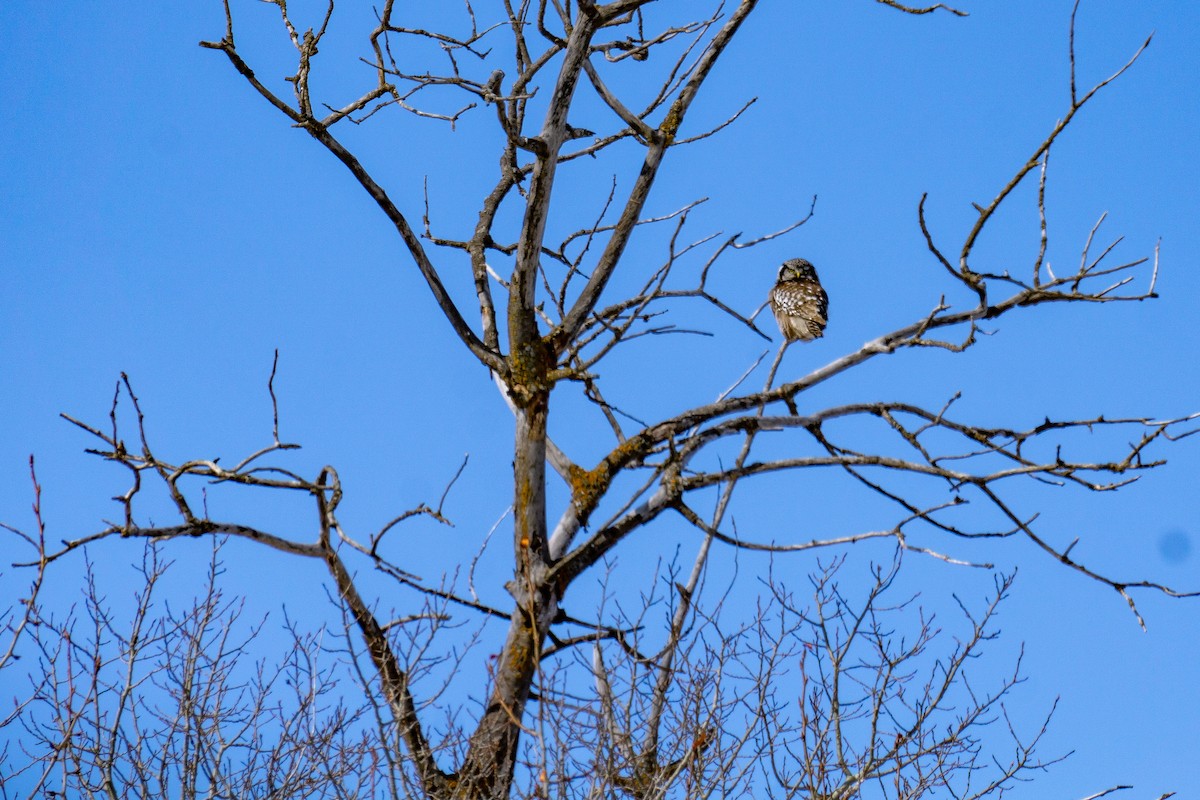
x: 487, y: 770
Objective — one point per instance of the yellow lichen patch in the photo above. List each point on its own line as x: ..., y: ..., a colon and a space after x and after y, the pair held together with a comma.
x: 529, y: 370
x: 627, y: 451
x: 671, y: 123
x: 588, y: 486
x: 519, y: 656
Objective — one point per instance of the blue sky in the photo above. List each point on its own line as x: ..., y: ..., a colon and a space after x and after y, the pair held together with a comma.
x: 158, y: 218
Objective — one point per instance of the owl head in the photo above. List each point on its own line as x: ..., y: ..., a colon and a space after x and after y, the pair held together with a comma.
x: 795, y: 269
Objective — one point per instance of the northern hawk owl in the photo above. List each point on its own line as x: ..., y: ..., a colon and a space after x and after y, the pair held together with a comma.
x: 800, y: 304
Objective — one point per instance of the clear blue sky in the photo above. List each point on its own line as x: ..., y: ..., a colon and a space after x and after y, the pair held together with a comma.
x: 158, y: 218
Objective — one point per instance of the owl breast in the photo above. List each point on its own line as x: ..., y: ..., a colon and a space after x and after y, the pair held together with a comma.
x: 801, y: 309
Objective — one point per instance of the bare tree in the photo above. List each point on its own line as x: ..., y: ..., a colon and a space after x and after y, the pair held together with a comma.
x: 163, y: 705
x: 545, y: 319
x: 814, y: 695
x: 15, y: 621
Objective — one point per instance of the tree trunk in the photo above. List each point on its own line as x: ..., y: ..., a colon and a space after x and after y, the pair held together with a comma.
x: 487, y: 770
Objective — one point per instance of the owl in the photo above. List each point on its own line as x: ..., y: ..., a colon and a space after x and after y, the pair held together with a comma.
x: 800, y: 304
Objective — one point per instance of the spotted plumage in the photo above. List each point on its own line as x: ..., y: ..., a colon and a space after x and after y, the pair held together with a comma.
x: 799, y: 302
